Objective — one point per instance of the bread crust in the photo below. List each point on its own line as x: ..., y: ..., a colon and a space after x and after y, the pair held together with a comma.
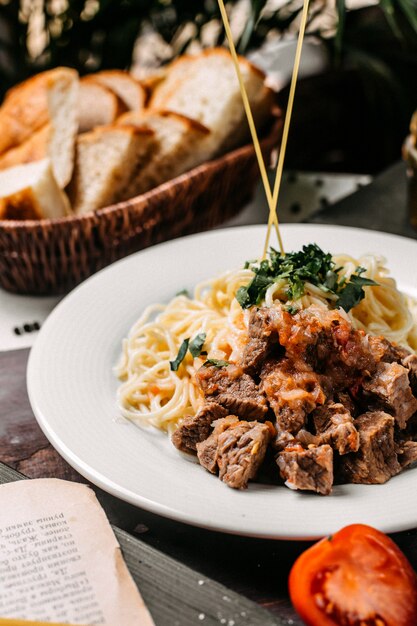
x: 22, y: 205
x: 25, y: 108
x: 86, y: 114
x: 105, y: 78
x: 129, y: 118
x: 190, y: 58
x: 33, y: 149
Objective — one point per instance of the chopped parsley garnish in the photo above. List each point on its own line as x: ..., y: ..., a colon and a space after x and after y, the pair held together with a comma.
x: 310, y: 265
x: 180, y: 356
x: 197, y: 344
x: 353, y: 291
x: 292, y: 310
x: 216, y: 363
x: 194, y: 346
x: 183, y: 292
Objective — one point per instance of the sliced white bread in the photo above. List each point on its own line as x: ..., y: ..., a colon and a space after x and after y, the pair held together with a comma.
x: 106, y: 160
x: 48, y: 98
x: 179, y: 148
x: 50, y: 142
x: 205, y: 88
x: 97, y: 105
x: 31, y: 192
x: 149, y: 79
x: 125, y: 86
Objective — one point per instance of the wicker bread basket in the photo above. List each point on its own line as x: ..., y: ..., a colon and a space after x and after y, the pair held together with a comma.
x: 52, y: 256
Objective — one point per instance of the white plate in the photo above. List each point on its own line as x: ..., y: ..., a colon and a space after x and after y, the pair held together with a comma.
x: 72, y: 391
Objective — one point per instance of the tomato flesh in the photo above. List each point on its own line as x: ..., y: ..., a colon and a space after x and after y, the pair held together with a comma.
x: 358, y: 577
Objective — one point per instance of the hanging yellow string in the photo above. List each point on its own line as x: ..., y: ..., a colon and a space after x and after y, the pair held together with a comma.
x: 280, y: 166
x: 251, y: 122
x: 272, y: 198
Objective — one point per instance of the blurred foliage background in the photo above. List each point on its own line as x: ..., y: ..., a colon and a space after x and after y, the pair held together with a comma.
x: 371, y: 78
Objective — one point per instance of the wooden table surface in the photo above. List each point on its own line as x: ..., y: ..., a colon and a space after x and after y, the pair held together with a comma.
x: 255, y: 568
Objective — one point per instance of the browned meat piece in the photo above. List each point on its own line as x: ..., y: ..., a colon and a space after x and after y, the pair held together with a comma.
x: 293, y: 390
x: 263, y: 334
x: 326, y: 341
x: 387, y: 351
x: 207, y: 449
x: 232, y: 389
x: 376, y: 460
x: 310, y: 469
x: 197, y: 427
x: 410, y: 362
x: 237, y: 449
x: 392, y: 353
x: 407, y: 454
x: 390, y: 384
x: 344, y: 398
x: 282, y: 439
x: 334, y: 425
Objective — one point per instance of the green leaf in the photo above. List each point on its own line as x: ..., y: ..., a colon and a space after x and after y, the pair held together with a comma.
x: 256, y: 7
x: 388, y: 8
x: 254, y: 292
x: 174, y: 365
x: 353, y: 292
x: 195, y: 346
x: 183, y: 292
x: 341, y: 11
x: 291, y: 309
x: 216, y: 363
x: 409, y: 8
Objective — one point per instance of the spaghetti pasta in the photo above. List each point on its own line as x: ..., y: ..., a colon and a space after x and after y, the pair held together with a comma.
x: 152, y: 394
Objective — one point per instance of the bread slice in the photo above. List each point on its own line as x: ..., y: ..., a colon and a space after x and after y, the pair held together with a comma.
x: 31, y: 192
x: 106, y: 160
x: 125, y: 86
x: 97, y: 105
x: 48, y: 98
x: 179, y: 140
x: 205, y: 87
x: 48, y: 142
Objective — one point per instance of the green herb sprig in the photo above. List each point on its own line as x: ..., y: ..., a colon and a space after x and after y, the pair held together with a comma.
x: 311, y: 265
x: 195, y: 347
x: 216, y: 363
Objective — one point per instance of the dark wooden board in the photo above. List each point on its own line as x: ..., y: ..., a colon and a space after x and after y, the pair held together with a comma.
x: 175, y: 594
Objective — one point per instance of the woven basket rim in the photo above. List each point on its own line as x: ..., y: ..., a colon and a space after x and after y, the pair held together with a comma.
x: 273, y: 130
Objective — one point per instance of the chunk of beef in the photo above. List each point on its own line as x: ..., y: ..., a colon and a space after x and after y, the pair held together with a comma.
x: 293, y: 390
x: 387, y: 351
x: 197, y: 427
x: 282, y: 439
x: 237, y: 449
x: 409, y: 361
x: 344, y: 398
x: 207, y: 450
x: 327, y: 342
x: 407, y: 454
x: 392, y: 353
x: 263, y: 335
x: 310, y: 469
x: 391, y: 386
x: 376, y: 460
x: 334, y: 425
x: 232, y: 389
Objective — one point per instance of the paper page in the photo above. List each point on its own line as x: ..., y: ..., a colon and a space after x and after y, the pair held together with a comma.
x: 60, y: 560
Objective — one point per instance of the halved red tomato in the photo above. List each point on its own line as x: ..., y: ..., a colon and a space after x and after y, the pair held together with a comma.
x: 357, y: 577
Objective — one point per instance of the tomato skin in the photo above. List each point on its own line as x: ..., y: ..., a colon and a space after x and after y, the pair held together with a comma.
x: 357, y: 576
